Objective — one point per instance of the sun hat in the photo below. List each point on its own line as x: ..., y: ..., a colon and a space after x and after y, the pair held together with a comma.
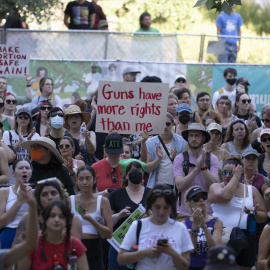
x: 196, y: 127
x: 47, y: 143
x: 214, y: 126
x: 114, y: 144
x: 74, y: 109
x: 183, y: 107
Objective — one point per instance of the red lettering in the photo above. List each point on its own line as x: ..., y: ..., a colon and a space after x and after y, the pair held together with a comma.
x: 10, y: 50
x: 109, y: 92
x: 17, y: 50
x: 108, y: 125
x: 142, y: 126
x: 16, y: 63
x: 121, y: 108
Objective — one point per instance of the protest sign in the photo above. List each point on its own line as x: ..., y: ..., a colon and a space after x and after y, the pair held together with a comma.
x: 14, y: 61
x: 131, y: 108
x: 119, y: 234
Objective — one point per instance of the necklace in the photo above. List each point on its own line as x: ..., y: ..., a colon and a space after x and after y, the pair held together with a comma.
x: 251, y: 181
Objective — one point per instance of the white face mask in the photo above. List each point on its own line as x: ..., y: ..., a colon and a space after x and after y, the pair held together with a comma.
x: 57, y: 122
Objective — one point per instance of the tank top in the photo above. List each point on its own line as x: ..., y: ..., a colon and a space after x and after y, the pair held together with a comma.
x: 12, y: 198
x: 87, y: 227
x: 233, y: 151
x: 230, y: 212
x: 6, y: 124
x: 198, y: 258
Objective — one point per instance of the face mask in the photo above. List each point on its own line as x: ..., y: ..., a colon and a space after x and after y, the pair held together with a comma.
x: 36, y: 154
x: 184, y: 119
x: 57, y: 122
x: 231, y: 81
x: 135, y: 177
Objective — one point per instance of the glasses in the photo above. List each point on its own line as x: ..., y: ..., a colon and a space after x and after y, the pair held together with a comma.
x: 57, y: 114
x: 9, y: 101
x: 224, y: 173
x: 263, y: 120
x: 43, y: 108
x: 46, y: 180
x: 181, y: 80
x: 23, y: 116
x: 67, y: 146
x: 244, y: 101
x: 265, y: 139
x: 197, y: 198
x: 165, y: 192
x: 114, y: 175
x: 48, y: 84
x: 168, y: 124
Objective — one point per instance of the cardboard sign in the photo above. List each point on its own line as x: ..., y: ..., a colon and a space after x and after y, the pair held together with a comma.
x: 119, y: 234
x: 14, y: 61
x: 131, y: 108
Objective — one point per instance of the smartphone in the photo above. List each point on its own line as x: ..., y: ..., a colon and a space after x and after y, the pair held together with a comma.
x: 160, y: 242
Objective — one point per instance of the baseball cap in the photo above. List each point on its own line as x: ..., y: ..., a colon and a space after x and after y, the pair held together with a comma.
x: 242, y: 80
x: 114, y: 144
x: 184, y: 107
x: 180, y: 76
x: 250, y: 151
x: 194, y: 191
x: 264, y: 131
x: 24, y: 110
x: 214, y: 126
x: 130, y: 70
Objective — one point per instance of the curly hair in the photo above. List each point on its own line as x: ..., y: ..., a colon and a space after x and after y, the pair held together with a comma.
x: 216, y: 116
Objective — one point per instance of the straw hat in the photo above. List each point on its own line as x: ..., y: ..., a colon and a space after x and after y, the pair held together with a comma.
x: 74, y: 109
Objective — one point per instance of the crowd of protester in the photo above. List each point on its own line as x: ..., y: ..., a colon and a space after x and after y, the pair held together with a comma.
x: 207, y: 171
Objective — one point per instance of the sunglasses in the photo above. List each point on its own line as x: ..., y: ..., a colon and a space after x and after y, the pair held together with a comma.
x: 67, y: 146
x: 224, y: 173
x: 263, y: 120
x: 197, y: 198
x: 114, y: 175
x: 165, y: 192
x: 9, y: 101
x: 265, y: 139
x: 181, y: 80
x: 57, y: 114
x: 23, y: 116
x: 43, y: 108
x: 168, y: 124
x: 46, y: 180
x: 244, y: 101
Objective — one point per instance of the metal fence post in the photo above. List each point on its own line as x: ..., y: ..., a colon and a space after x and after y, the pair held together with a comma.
x: 201, y: 48
x: 4, y: 36
x: 106, y: 45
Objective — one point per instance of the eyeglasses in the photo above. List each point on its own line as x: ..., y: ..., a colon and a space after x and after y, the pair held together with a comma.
x: 57, y: 114
x: 168, y: 124
x: 197, y: 198
x: 165, y: 192
x: 43, y: 108
x: 265, y: 139
x: 67, y: 146
x: 244, y: 101
x: 114, y: 175
x: 263, y: 120
x: 9, y: 101
x: 224, y: 173
x: 48, y: 84
x: 46, y: 180
x: 181, y: 80
x: 23, y: 116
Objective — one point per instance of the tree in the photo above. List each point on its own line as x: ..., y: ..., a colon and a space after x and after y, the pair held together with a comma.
x: 39, y: 10
x: 219, y: 5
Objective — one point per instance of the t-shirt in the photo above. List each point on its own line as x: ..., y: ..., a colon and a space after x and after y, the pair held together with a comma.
x: 152, y: 29
x: 79, y: 14
x: 229, y: 25
x: 55, y: 250
x: 199, y: 180
x: 176, y: 233
x: 231, y: 96
x: 105, y: 175
x: 3, y: 253
x: 36, y: 101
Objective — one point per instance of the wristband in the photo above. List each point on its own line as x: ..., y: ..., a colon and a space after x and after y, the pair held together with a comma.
x: 193, y: 233
x: 204, y: 168
x: 28, y: 85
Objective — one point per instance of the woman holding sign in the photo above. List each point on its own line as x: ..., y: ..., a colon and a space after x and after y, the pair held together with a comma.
x: 126, y: 200
x: 95, y: 214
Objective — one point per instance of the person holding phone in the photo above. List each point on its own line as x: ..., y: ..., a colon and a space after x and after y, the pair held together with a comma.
x: 161, y: 224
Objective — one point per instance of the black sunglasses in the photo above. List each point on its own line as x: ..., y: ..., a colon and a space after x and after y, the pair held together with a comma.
x: 57, y: 114
x: 165, y: 192
x: 263, y: 120
x: 265, y: 139
x: 168, y: 124
x: 43, y: 108
x: 181, y: 80
x: 197, y: 198
x: 244, y: 101
x: 67, y: 146
x: 23, y: 116
x: 9, y: 101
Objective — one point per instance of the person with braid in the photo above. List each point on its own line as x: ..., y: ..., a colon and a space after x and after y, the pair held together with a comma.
x: 55, y: 247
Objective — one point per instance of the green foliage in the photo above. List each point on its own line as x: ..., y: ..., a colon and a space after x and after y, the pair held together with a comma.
x: 218, y: 5
x: 40, y: 10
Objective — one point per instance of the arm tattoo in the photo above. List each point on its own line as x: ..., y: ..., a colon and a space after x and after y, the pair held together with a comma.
x: 21, y: 231
x: 266, y: 180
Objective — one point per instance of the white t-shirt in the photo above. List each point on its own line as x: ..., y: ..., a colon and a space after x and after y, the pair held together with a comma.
x: 165, y: 173
x: 176, y: 233
x: 3, y: 253
x: 231, y: 96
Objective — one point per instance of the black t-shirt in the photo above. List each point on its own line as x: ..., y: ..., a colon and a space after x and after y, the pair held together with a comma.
x: 119, y: 199
x: 248, y: 116
x: 79, y: 14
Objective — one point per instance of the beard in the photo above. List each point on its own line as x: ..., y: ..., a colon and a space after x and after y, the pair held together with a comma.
x: 195, y: 146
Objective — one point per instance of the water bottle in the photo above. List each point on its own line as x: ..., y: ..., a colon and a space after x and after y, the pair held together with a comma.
x: 251, y: 223
x: 72, y: 262
x: 82, y: 136
x: 57, y: 266
x: 132, y: 265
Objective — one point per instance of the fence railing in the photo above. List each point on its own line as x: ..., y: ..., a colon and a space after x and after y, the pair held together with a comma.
x: 158, y: 47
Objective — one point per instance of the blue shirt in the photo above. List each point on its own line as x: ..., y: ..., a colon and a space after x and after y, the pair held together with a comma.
x: 229, y: 25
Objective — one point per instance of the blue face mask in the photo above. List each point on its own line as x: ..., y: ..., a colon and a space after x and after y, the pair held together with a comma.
x: 57, y: 122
